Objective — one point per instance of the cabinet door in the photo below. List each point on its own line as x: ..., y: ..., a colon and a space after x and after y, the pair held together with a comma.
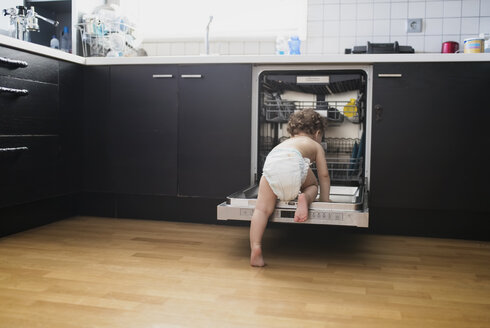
x: 143, y: 129
x: 29, y: 167
x: 214, y: 129
x: 430, y: 136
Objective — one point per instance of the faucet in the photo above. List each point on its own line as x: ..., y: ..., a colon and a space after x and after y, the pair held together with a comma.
x: 206, y: 40
x: 25, y: 20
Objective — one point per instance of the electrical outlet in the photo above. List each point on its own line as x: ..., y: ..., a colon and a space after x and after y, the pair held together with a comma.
x: 414, y: 25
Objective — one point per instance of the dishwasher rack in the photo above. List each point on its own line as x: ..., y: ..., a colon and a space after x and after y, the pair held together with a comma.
x: 279, y: 110
x: 343, y: 162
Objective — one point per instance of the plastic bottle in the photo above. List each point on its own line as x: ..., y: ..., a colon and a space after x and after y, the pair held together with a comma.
x: 281, y: 46
x: 294, y: 45
x: 65, y: 40
x: 54, y: 43
x: 486, y: 37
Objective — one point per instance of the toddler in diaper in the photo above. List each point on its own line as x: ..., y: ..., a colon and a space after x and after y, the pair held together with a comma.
x: 287, y: 175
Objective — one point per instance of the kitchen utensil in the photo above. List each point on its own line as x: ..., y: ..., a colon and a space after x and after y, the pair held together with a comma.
x: 449, y: 47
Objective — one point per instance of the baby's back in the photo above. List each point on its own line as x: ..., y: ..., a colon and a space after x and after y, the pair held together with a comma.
x: 305, y: 145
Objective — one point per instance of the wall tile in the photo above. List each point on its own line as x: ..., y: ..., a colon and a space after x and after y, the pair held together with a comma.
x: 402, y: 39
x: 451, y: 26
x: 484, y: 8
x: 164, y: 49
x: 250, y: 48
x: 470, y: 8
x: 331, y: 12
x: 221, y: 48
x: 331, y: 45
x: 364, y: 28
x: 434, y: 9
x: 177, y: 48
x: 236, y: 48
x: 398, y: 27
x: 315, y: 46
x: 269, y: 48
x: 450, y: 37
x: 151, y: 49
x: 399, y: 10
x: 433, y: 26
x: 348, y: 11
x: 469, y: 25
x: 315, y: 13
x: 381, y: 39
x: 452, y: 8
x: 334, y: 25
x: 347, y: 28
x: 484, y: 24
x: 315, y: 29
x: 382, y: 11
x: 433, y: 43
x: 365, y: 11
x: 416, y: 10
x: 417, y: 42
x: 192, y: 48
x: 381, y: 27
x: 331, y: 28
x: 347, y: 42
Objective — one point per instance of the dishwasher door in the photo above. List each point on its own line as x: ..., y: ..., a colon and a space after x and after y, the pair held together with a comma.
x: 349, y: 207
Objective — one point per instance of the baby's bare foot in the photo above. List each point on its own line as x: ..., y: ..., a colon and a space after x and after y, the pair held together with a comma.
x: 256, y: 258
x: 301, y: 214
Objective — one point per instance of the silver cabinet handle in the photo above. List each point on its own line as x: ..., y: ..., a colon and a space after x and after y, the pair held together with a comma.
x: 12, y: 149
x: 191, y: 76
x: 390, y: 75
x: 17, y: 92
x: 12, y: 62
x: 162, y: 76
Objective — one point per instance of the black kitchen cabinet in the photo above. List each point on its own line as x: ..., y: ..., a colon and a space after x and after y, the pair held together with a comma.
x: 96, y: 173
x: 39, y: 129
x: 429, y: 138
x: 24, y: 65
x: 214, y: 129
x: 143, y: 129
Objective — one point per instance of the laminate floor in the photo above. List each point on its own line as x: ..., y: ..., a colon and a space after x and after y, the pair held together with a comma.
x: 105, y: 272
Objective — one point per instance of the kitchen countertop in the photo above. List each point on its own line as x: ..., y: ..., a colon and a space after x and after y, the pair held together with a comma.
x: 245, y: 59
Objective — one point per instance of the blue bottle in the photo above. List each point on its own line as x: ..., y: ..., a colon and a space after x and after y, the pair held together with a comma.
x: 294, y: 45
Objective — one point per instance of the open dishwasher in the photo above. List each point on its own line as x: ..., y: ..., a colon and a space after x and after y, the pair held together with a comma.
x: 340, y: 94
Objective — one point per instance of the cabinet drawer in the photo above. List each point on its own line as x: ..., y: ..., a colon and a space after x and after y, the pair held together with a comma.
x: 28, y: 169
x: 34, y: 113
x: 38, y: 68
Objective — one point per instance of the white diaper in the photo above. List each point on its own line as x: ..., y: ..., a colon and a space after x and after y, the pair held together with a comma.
x: 285, y: 169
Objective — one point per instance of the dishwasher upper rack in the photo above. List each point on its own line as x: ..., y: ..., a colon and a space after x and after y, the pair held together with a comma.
x: 279, y: 110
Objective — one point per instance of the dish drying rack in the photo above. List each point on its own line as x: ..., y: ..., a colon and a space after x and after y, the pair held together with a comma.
x: 279, y: 110
x: 106, y: 39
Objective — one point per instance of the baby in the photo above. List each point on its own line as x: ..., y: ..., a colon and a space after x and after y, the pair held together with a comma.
x: 287, y: 173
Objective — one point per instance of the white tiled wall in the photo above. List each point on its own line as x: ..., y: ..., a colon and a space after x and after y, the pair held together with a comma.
x: 334, y: 25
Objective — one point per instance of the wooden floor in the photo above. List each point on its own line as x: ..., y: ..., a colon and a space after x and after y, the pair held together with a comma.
x: 99, y: 272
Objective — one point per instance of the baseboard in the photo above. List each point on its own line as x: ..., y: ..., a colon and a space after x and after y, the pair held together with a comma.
x: 30, y: 215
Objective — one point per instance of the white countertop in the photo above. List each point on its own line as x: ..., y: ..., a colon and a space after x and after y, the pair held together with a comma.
x: 245, y: 59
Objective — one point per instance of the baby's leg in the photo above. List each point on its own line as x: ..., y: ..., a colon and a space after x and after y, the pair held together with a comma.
x: 266, y: 202
x: 309, y: 191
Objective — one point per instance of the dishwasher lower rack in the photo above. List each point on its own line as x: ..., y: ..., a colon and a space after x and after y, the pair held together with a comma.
x: 348, y: 208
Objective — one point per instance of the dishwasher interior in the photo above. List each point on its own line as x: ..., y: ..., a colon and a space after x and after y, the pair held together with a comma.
x: 341, y: 96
